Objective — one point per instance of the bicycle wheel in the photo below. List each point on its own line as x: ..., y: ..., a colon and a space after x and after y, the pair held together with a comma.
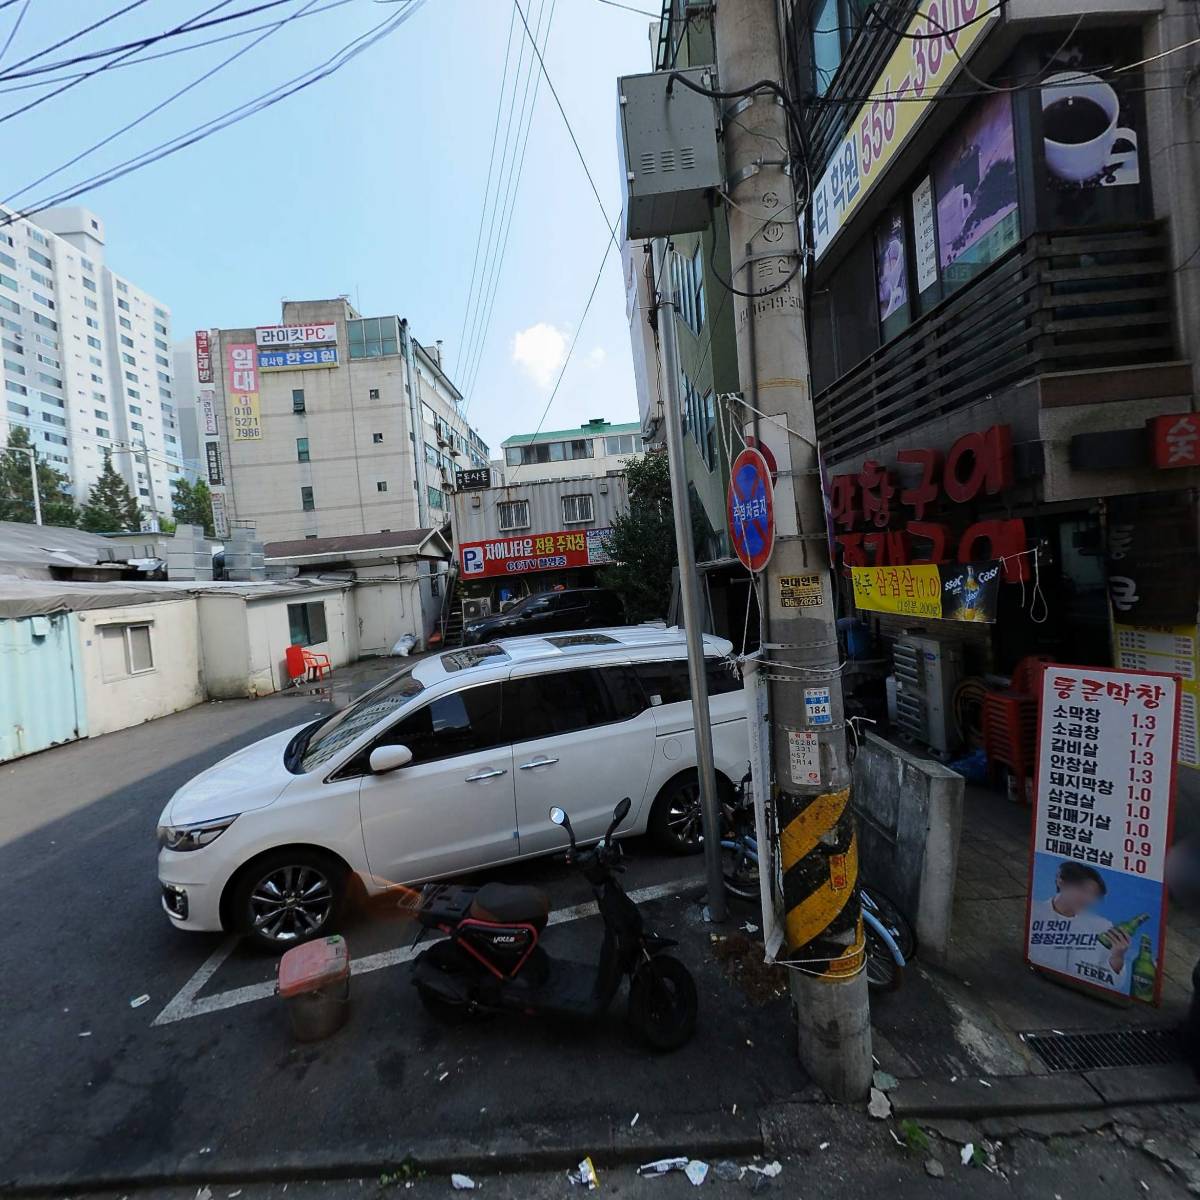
x: 884, y: 973
x: 739, y: 866
x: 896, y: 923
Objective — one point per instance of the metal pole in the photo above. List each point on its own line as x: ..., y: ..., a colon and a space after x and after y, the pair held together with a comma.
x: 37, y: 495
x: 689, y: 591
x: 154, y: 524
x: 816, y: 845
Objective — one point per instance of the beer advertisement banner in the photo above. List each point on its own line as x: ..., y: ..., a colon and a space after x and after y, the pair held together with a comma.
x: 541, y: 552
x: 941, y: 591
x: 1106, y: 752
x: 241, y: 385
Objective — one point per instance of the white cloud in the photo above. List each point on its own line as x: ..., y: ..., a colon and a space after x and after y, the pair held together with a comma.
x: 596, y: 358
x: 539, y: 351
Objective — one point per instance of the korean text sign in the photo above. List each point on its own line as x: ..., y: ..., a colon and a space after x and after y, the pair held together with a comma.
x: 204, y: 371
x: 297, y: 360
x: 921, y: 66
x: 967, y: 592
x: 1106, y: 753
x: 241, y: 384
x: 538, y: 552
x: 295, y: 335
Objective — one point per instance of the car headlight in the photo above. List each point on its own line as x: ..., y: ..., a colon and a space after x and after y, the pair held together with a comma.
x: 194, y: 836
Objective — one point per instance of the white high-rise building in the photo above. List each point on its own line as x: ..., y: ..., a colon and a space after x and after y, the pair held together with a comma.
x: 86, y: 359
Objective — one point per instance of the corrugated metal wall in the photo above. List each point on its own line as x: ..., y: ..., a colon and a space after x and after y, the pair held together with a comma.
x: 41, y: 685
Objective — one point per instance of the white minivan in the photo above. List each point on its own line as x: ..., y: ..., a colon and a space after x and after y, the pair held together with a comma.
x: 450, y: 765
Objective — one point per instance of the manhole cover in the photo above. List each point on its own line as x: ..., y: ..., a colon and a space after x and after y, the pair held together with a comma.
x: 1108, y: 1048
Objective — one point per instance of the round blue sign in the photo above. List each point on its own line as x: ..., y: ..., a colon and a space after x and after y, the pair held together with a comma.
x: 751, y: 509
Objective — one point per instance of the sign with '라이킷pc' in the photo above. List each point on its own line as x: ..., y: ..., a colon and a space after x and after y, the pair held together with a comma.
x: 1102, y: 823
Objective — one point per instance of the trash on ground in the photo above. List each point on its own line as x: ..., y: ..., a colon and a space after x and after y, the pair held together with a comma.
x: 462, y: 1183
x: 632, y: 1123
x: 696, y: 1171
x: 728, y: 1171
x: 204, y: 1193
x: 233, y: 1195
x: 403, y: 648
x: 770, y: 1170
x: 823, y: 1146
x: 884, y: 1080
x: 934, y: 1168
x: 86, y: 1033
x: 660, y: 1166
x: 443, y: 1076
x: 967, y: 1153
x: 585, y: 1174
x: 985, y: 1083
x: 880, y: 1106
x: 750, y: 927
x: 138, y: 1001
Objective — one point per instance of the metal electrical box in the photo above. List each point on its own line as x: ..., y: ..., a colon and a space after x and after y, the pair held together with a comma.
x: 670, y: 159
x: 928, y: 671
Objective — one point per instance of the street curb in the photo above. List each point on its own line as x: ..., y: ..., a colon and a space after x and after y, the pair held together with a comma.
x: 1026, y: 1095
x: 715, y: 1134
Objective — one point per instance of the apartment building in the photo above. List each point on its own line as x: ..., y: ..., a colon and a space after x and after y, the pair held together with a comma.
x: 330, y: 424
x: 86, y: 359
x: 595, y: 449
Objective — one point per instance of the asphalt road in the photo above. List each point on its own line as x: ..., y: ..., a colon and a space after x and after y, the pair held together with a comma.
x: 91, y: 1086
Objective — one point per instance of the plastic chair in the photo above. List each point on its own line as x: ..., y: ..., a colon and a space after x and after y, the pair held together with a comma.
x: 318, y: 664
x: 297, y: 668
x: 1027, y: 674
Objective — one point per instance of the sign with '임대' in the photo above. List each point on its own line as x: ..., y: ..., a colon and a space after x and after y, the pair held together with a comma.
x: 1102, y: 821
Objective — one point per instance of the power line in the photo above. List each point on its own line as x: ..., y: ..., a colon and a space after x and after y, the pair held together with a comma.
x: 12, y: 33
x: 213, y: 41
x: 96, y: 71
x: 79, y: 33
x: 162, y: 103
x: 641, y: 12
x: 233, y: 116
x: 508, y: 206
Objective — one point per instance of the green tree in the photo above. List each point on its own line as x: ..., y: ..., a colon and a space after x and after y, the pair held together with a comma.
x: 192, y: 505
x: 110, y: 507
x: 642, y: 542
x: 16, y: 486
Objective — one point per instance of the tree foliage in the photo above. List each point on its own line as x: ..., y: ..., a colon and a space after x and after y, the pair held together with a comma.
x: 111, y: 506
x: 192, y: 505
x: 642, y: 542
x: 16, y: 485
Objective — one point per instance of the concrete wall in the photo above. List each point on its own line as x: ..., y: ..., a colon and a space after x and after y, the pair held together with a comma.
x: 909, y: 822
x: 226, y: 646
x: 116, y: 699
x: 268, y: 634
x: 388, y: 603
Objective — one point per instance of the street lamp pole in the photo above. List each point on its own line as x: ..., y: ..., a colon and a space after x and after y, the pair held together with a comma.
x: 37, y: 496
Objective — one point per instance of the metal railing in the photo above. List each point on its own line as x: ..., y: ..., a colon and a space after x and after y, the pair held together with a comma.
x: 1061, y: 301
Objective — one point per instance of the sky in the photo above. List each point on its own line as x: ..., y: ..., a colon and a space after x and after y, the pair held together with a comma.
x: 371, y: 182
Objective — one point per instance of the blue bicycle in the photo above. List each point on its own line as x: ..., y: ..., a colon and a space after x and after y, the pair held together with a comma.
x: 891, y: 942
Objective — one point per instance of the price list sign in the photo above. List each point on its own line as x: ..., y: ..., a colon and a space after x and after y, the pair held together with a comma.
x: 1102, y: 824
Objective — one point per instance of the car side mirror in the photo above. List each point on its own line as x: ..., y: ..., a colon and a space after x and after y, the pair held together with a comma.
x: 389, y: 758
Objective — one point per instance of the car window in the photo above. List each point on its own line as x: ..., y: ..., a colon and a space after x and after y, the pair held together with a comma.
x: 625, y: 693
x: 538, y: 706
x: 668, y: 683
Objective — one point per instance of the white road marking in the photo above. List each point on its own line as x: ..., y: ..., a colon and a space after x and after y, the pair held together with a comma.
x: 185, y: 1004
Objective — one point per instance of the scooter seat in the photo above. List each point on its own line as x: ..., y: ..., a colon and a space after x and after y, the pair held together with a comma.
x: 503, y: 903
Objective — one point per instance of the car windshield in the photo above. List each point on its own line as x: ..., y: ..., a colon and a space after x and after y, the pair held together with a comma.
x: 524, y: 604
x: 319, y: 743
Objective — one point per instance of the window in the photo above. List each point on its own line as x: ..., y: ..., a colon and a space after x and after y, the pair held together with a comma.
x: 373, y: 337
x: 127, y: 341
x: 125, y: 650
x: 162, y: 360
x: 577, y: 510
x: 131, y: 376
x: 125, y: 323
x: 9, y: 282
x: 99, y: 412
x: 668, y: 683
x: 51, y: 419
x: 437, y: 499
x: 159, y: 312
x: 122, y: 287
x: 121, y: 304
x: 40, y: 259
x: 91, y: 322
x: 19, y: 409
x: 559, y: 702
x: 306, y: 623
x: 90, y: 285
x: 11, y: 305
x: 136, y: 427
x: 54, y: 438
x: 102, y: 433
x: 129, y: 360
x: 302, y: 450
x: 10, y: 262
x: 133, y: 408
x: 466, y: 722
x: 19, y: 388
x: 163, y: 377
x: 43, y: 299
x: 306, y: 499
x: 377, y: 438
x: 38, y: 319
x: 36, y: 276
x: 159, y: 327
x: 621, y: 443
x: 160, y: 344
x: 513, y: 514
x: 826, y: 43
x: 373, y: 394
x: 15, y: 367
x: 297, y: 400
x: 88, y: 302
x: 381, y: 485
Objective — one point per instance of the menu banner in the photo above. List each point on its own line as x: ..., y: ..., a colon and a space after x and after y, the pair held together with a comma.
x: 1105, y: 785
x: 940, y: 591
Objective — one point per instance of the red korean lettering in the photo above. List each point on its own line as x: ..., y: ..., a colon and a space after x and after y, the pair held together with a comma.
x: 843, y: 500
x: 979, y: 462
x: 853, y: 554
x: 878, y: 486
x: 926, y: 492
x: 1004, y: 540
x: 936, y: 534
x: 1063, y: 686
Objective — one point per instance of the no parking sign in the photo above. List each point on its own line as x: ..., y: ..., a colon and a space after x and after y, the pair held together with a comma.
x: 751, y: 509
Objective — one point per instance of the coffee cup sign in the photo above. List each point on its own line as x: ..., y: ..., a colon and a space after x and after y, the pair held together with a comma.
x: 1079, y: 126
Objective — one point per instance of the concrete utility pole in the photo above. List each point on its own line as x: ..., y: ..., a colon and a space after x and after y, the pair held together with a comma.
x: 689, y: 588
x: 817, y: 846
x: 33, y: 479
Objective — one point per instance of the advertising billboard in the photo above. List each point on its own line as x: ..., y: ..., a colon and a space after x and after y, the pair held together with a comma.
x: 212, y: 453
x: 204, y: 372
x: 241, y: 378
x: 208, y: 413
x: 1102, y: 822
x: 944, y: 591
x: 297, y: 360
x: 539, y: 552
x: 295, y: 335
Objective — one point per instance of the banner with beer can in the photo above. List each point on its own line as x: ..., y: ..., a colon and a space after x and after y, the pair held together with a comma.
x: 941, y: 591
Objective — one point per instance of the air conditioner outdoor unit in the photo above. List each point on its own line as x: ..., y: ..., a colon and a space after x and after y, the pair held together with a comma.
x: 475, y: 610
x: 927, y: 671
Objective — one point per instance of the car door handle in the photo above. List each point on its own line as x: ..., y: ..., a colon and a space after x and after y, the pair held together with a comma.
x: 537, y: 762
x: 486, y: 775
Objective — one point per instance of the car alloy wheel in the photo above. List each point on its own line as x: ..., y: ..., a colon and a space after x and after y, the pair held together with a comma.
x: 683, y: 816
x: 291, y: 903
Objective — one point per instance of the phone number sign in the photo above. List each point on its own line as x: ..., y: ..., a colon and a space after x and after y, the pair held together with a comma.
x: 939, y: 35
x: 1102, y: 825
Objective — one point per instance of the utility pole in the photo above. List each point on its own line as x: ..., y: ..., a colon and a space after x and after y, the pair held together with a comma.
x: 145, y: 453
x: 689, y: 588
x: 37, y: 495
x: 817, y: 847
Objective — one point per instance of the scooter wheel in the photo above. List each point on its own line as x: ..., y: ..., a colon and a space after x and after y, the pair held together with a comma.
x: 663, y: 1003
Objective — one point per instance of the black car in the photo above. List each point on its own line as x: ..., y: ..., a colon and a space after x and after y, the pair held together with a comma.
x: 550, y: 612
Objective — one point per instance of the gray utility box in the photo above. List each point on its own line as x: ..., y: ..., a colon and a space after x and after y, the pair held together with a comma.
x: 669, y: 155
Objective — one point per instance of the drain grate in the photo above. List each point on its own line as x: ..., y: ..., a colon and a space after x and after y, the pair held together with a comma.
x: 1108, y: 1048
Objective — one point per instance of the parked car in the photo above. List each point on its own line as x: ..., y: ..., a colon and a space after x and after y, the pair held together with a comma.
x: 450, y: 765
x: 550, y: 612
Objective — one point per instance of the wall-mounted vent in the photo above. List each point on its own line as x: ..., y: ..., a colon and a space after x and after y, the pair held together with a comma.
x: 687, y: 157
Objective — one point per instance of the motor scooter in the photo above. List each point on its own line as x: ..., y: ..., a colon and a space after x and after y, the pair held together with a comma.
x: 492, y: 960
